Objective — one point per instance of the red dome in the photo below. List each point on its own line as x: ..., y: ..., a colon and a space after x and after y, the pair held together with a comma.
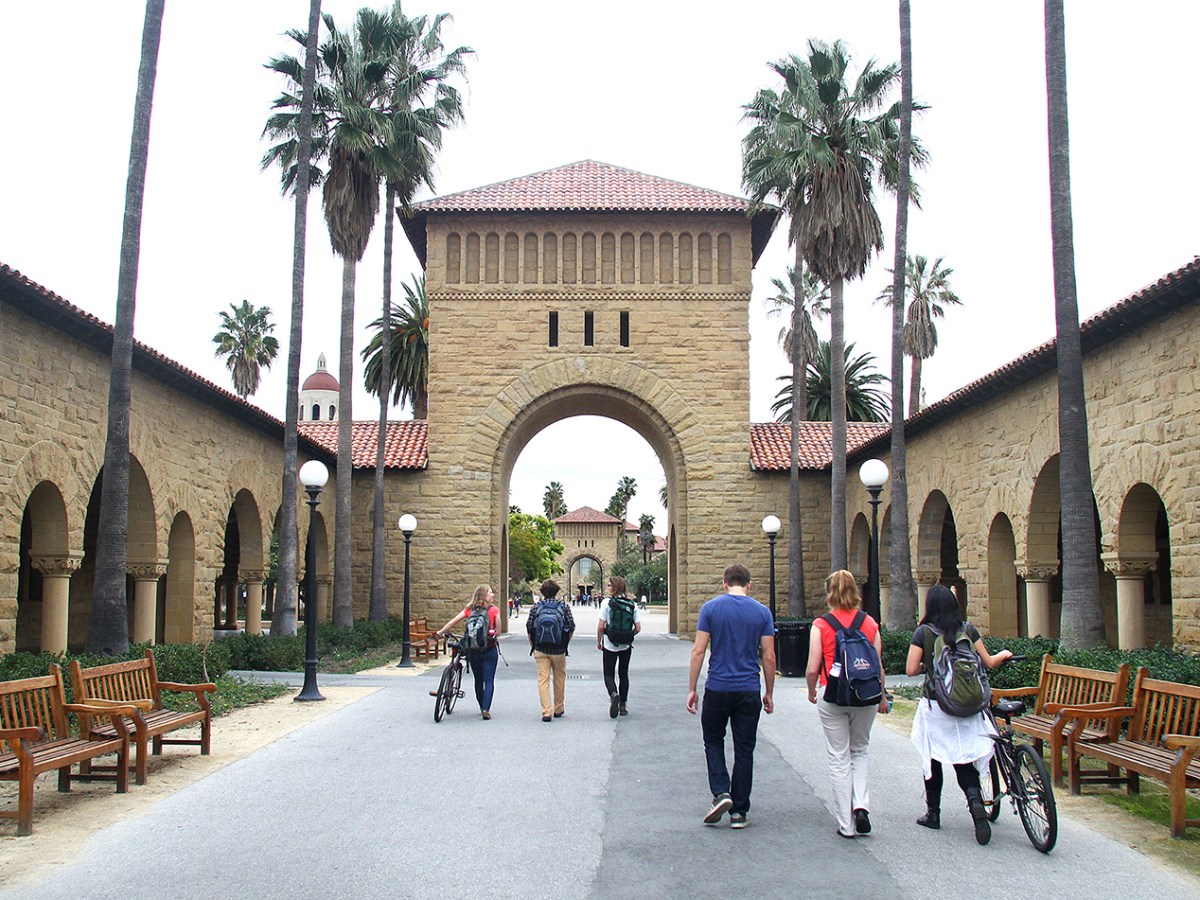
x: 320, y: 381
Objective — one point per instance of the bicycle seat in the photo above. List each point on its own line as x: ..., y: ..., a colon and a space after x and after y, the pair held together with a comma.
x: 1006, y: 709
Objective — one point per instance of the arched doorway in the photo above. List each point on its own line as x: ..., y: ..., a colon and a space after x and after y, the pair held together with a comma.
x: 937, y: 551
x: 585, y: 577
x: 1142, y: 568
x: 1005, y: 616
x: 43, y: 582
x: 176, y: 613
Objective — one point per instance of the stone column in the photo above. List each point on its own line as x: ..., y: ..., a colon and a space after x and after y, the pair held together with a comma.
x: 145, y: 599
x: 925, y: 579
x: 885, y: 591
x: 1037, y: 596
x: 230, y: 586
x: 254, y: 579
x: 324, y: 596
x: 56, y: 593
x: 1130, y: 572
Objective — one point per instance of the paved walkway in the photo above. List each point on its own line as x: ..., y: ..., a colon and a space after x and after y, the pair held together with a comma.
x: 375, y: 800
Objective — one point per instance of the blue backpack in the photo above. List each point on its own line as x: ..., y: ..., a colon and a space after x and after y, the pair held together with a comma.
x: 549, y: 624
x: 856, y: 677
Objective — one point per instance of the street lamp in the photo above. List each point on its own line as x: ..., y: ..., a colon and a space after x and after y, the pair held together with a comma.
x: 408, y: 524
x: 874, y: 475
x: 771, y: 526
x: 313, y: 476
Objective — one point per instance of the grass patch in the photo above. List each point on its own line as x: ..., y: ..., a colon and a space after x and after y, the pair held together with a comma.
x: 232, y: 693
x: 340, y: 663
x: 1153, y: 804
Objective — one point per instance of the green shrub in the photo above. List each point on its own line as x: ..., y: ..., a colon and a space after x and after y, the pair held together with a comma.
x: 263, y: 653
x: 895, y: 649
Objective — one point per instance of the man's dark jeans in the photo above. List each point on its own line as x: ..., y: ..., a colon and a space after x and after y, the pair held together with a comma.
x: 740, y: 710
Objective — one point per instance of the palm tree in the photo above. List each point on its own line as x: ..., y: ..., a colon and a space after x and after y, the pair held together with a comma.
x: 646, y: 536
x: 297, y: 175
x: 902, y: 600
x: 663, y: 495
x: 553, y: 502
x: 929, y: 293
x: 618, y: 504
x: 814, y: 303
x: 108, y: 631
x: 409, y: 357
x: 246, y: 343
x: 1082, y: 617
x: 865, y: 399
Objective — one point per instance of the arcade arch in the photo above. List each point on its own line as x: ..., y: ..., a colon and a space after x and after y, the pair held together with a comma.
x: 937, y: 551
x: 1141, y: 565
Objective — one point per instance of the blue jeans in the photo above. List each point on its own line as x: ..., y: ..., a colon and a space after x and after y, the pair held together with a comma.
x: 740, y: 711
x: 483, y: 666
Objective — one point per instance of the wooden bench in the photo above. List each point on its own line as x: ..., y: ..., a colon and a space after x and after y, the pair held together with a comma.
x: 1061, y: 686
x: 135, y: 683
x: 35, y: 738
x: 1161, y: 742
x: 424, y: 640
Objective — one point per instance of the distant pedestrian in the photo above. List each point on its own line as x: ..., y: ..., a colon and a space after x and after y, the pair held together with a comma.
x: 482, y: 653
x: 961, y: 741
x: 550, y: 626
x: 847, y: 728
x: 739, y: 629
x: 619, y: 621
x: 517, y: 606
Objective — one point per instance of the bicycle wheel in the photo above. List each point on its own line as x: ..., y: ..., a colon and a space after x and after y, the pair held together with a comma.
x: 993, y: 796
x: 455, y: 685
x: 441, y: 703
x: 1034, y: 797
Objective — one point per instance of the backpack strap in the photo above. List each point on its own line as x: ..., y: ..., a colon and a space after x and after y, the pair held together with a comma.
x: 833, y: 622
x: 859, y: 618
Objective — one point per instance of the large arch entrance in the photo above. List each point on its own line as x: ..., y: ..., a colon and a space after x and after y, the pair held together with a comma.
x: 612, y: 403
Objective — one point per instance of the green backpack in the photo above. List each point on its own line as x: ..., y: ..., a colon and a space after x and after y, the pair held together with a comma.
x: 620, y: 620
x: 956, y: 675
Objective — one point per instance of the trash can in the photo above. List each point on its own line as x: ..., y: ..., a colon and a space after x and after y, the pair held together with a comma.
x: 791, y: 646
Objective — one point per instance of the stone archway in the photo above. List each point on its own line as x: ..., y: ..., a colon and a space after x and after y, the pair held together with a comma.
x: 1040, y: 570
x: 1141, y: 565
x: 1004, y: 614
x: 576, y: 581
x: 860, y: 546
x: 177, y: 612
x: 43, y: 584
x: 937, y: 550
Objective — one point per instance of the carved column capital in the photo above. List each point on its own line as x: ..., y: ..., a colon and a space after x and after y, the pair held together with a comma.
x: 927, y: 577
x: 885, y: 580
x: 56, y: 565
x: 1038, y: 571
x: 325, y: 580
x: 148, y: 571
x: 1129, y: 565
x: 253, y: 576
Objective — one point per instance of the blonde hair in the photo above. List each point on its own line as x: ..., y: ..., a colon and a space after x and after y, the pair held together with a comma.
x: 480, y: 598
x: 841, y: 590
x: 618, y: 585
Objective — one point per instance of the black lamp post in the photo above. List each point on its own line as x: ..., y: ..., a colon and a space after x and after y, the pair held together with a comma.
x: 408, y: 524
x: 313, y: 476
x: 771, y: 526
x: 874, y: 475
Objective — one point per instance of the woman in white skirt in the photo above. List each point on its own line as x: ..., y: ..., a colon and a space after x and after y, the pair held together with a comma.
x: 940, y: 738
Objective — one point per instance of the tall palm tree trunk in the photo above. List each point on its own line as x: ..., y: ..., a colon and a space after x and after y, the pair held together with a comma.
x: 796, y: 605
x: 283, y: 616
x: 108, y: 626
x: 1082, y: 619
x: 914, y: 393
x: 837, y: 406
x: 343, y: 598
x: 379, y: 604
x: 902, y: 595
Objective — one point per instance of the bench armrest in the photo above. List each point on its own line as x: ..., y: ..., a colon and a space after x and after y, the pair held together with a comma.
x: 1097, y: 712
x: 28, y: 733
x: 1181, y: 741
x: 1052, y: 709
x: 196, y: 689
x: 88, y: 709
x: 1007, y: 693
x: 143, y: 704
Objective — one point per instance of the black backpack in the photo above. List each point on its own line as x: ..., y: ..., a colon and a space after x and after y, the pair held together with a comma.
x: 476, y: 639
x: 620, y: 621
x: 856, y: 677
x: 549, y: 624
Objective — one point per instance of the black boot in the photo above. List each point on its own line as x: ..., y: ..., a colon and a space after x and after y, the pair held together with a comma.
x: 983, y: 829
x: 932, y: 818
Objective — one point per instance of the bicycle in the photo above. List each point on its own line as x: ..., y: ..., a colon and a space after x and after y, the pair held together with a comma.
x: 450, y: 688
x: 1016, y: 770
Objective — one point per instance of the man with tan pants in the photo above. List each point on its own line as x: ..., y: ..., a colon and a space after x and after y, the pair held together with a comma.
x: 550, y: 626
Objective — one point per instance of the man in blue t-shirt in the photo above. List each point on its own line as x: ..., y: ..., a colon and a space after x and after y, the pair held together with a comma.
x: 738, y: 627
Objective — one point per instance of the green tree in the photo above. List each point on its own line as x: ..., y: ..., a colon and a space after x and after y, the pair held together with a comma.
x: 1082, y: 616
x: 108, y: 625
x: 814, y: 304
x: 246, y: 343
x: 928, y: 293
x: 618, y: 504
x: 532, y: 548
x: 553, y: 501
x: 297, y: 176
x: 865, y: 399
x: 408, y: 358
x: 646, y: 536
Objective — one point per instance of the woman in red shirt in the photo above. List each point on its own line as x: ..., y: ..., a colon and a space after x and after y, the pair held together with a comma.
x: 483, y: 662
x: 847, y: 728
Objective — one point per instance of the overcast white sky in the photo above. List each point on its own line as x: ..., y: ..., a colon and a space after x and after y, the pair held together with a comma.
x: 647, y: 84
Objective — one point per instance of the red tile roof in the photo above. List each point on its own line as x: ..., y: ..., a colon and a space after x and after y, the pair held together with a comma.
x: 406, y: 446
x: 589, y: 186
x: 771, y: 443
x: 587, y: 515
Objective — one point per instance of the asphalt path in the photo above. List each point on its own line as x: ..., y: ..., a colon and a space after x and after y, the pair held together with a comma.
x: 376, y: 800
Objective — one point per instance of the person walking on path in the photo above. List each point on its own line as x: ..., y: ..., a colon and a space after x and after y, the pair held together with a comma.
x: 847, y: 728
x: 550, y: 626
x: 738, y: 628
x: 482, y: 660
x: 963, y: 742
x: 619, y: 621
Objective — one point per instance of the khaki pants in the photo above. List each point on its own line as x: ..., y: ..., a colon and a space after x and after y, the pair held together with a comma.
x: 548, y: 663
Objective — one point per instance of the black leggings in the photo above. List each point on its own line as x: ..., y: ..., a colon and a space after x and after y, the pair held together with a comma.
x: 620, y: 663
x: 966, y: 773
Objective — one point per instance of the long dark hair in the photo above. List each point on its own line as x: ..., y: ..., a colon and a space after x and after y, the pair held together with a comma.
x: 941, y: 610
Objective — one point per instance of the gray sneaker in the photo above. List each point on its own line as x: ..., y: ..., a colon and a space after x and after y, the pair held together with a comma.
x: 737, y: 820
x: 721, y: 804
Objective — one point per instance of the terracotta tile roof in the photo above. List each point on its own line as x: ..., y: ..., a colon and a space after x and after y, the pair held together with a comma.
x: 406, y: 446
x: 771, y: 443
x: 47, y: 306
x: 1170, y: 292
x: 587, y: 515
x: 589, y: 186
